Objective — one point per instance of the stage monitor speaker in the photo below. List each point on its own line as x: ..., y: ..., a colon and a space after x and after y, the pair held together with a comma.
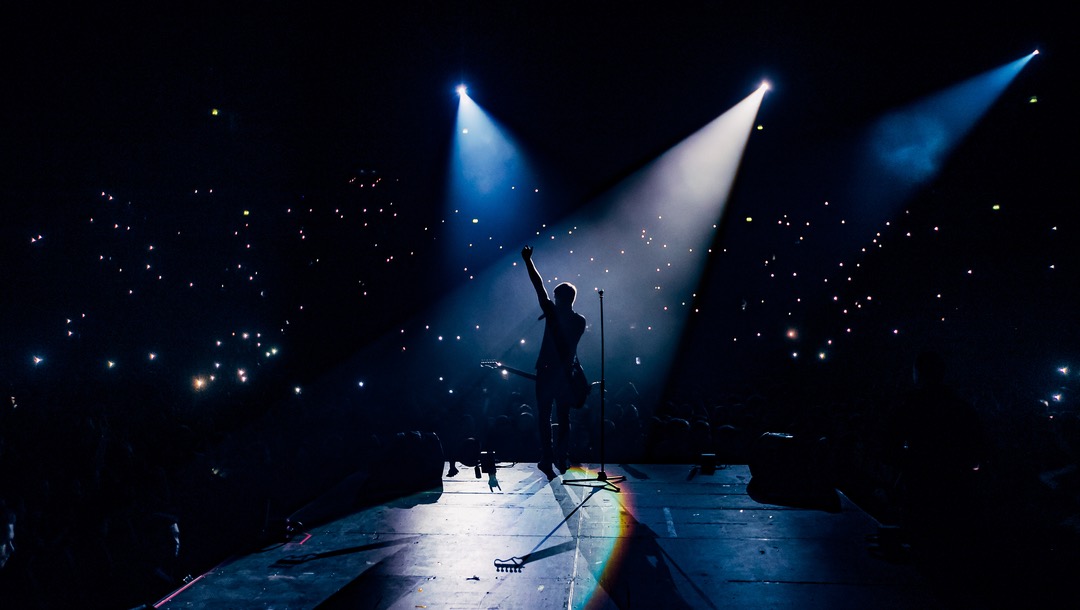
x: 788, y: 470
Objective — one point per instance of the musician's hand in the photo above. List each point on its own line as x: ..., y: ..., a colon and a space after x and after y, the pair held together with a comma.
x: 526, y: 253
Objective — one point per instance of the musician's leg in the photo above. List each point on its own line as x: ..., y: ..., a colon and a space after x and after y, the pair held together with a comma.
x: 544, y: 398
x: 562, y: 443
x: 543, y: 426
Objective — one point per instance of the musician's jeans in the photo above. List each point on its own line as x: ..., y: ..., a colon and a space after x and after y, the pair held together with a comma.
x: 551, y: 383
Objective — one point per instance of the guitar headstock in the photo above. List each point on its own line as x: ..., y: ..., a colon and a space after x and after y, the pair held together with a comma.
x: 506, y: 370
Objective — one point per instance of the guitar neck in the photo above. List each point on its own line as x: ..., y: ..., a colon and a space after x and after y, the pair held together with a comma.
x: 494, y: 364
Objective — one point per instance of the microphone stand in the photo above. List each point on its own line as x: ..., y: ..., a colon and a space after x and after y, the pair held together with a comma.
x: 601, y: 477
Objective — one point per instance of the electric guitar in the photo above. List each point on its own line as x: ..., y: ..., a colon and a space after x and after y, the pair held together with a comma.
x: 495, y: 364
x: 579, y: 388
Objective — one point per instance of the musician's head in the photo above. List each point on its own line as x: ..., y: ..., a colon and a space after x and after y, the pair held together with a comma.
x: 565, y: 294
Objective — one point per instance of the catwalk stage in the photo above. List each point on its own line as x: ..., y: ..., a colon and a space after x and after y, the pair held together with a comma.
x: 661, y: 538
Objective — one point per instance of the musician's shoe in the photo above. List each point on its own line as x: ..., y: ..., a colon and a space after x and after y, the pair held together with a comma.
x: 562, y: 463
x: 545, y: 467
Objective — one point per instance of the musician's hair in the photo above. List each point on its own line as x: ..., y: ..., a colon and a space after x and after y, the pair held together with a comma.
x: 566, y: 291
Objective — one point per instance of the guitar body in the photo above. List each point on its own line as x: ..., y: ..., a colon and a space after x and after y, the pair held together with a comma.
x: 579, y: 386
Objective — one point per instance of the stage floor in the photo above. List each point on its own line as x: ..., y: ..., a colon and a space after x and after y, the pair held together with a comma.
x: 658, y: 539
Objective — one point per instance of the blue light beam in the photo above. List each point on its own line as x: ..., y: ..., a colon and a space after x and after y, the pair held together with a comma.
x: 491, y: 191
x: 907, y: 148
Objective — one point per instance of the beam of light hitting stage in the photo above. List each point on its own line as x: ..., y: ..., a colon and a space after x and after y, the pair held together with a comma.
x: 907, y: 148
x: 645, y: 244
x: 491, y: 189
x: 613, y: 550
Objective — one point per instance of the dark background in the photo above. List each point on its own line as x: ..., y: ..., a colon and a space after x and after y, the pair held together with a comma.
x: 108, y: 117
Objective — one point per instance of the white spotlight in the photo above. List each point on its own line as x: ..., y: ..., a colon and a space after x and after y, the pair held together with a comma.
x: 462, y: 90
x: 765, y: 86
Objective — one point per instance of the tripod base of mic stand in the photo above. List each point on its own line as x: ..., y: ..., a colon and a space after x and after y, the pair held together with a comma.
x: 602, y: 480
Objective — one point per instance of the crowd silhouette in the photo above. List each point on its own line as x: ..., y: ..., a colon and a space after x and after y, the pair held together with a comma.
x: 113, y: 502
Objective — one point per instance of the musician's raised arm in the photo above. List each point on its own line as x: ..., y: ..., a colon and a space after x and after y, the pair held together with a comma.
x: 534, y: 275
